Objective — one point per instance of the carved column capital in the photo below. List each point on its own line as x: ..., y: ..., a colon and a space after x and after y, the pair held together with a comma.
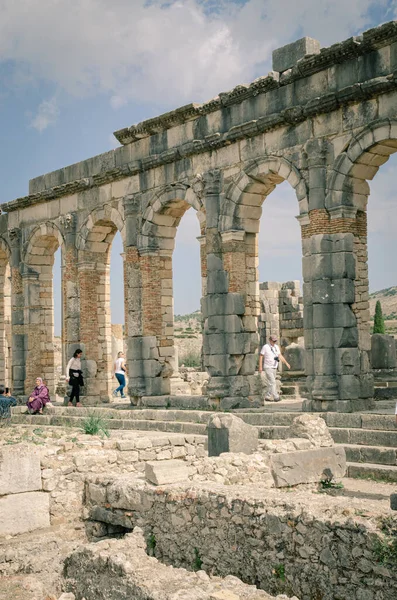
x: 132, y: 204
x: 209, y: 183
x: 14, y: 237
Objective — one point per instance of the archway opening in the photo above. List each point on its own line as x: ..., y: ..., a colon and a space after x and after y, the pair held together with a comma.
x: 160, y: 231
x: 263, y: 254
x: 59, y: 340
x: 5, y: 320
x: 280, y: 268
x: 187, y: 293
x: 117, y: 299
x: 382, y: 225
x: 41, y: 356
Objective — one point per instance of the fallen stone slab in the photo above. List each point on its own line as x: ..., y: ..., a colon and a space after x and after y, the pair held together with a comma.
x: 307, y: 466
x: 19, y: 469
x: 228, y: 433
x: 166, y: 471
x: 393, y: 501
x: 21, y: 513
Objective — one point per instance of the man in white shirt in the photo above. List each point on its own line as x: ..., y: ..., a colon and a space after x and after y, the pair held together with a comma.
x: 268, y: 362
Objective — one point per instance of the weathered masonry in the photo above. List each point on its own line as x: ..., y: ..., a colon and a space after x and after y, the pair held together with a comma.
x: 325, y: 122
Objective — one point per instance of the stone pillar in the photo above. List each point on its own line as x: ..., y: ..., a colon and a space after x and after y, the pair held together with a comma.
x: 17, y: 315
x: 5, y: 321
x: 33, y: 327
x: 230, y: 306
x: 95, y: 334
x: 149, y: 312
x: 337, y: 337
x: 70, y: 290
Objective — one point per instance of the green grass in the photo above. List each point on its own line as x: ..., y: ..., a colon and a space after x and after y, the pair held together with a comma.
x: 197, y: 563
x: 385, y: 548
x: 191, y: 360
x: 94, y: 425
x: 279, y: 571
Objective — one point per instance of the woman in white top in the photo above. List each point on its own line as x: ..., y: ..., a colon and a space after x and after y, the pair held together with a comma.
x: 119, y: 371
x: 75, y: 376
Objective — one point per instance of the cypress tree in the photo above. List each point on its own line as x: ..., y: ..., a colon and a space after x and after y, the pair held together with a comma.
x: 379, y: 322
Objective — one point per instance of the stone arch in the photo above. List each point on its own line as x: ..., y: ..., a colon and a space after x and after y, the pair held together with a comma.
x: 41, y: 246
x: 164, y: 213
x: 370, y: 149
x: 241, y: 206
x: 37, y: 277
x: 99, y: 229
x: 5, y: 314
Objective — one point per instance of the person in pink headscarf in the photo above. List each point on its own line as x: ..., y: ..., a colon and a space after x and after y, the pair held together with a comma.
x: 39, y: 398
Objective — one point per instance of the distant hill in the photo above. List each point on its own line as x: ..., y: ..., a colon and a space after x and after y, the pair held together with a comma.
x: 388, y: 300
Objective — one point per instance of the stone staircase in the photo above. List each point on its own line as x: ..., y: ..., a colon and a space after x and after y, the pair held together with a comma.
x: 370, y: 440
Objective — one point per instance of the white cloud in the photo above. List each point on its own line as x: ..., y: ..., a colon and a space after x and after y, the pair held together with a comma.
x: 161, y: 53
x: 47, y: 114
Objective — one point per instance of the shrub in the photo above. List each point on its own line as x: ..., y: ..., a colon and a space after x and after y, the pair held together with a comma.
x: 191, y: 360
x: 379, y: 322
x: 94, y: 425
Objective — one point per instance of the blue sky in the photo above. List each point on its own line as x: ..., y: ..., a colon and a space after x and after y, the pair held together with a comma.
x: 72, y: 73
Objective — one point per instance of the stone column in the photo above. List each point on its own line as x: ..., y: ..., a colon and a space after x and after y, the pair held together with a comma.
x: 149, y: 312
x: 34, y: 345
x: 70, y: 290
x: 229, y: 307
x: 133, y: 301
x: 17, y: 315
x: 95, y: 337
x: 336, y: 319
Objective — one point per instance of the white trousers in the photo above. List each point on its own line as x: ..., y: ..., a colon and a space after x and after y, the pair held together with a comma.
x: 271, y: 389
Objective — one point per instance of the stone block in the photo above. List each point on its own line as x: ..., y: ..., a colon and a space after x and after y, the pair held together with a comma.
x: 393, y: 501
x: 21, y: 513
x: 307, y: 466
x: 228, y: 433
x: 217, y: 282
x: 223, y: 304
x: 287, y: 56
x: 312, y: 428
x: 383, y: 351
x: 225, y: 323
x: 295, y: 356
x: 142, y: 348
x: 19, y: 470
x: 166, y: 472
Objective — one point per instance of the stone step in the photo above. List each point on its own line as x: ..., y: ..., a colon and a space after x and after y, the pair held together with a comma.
x: 364, y: 437
x: 371, y: 454
x: 372, y: 471
x: 78, y: 421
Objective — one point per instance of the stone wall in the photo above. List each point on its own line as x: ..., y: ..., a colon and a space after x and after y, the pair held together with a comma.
x: 313, y: 547
x: 281, y: 312
x: 122, y: 570
x: 325, y: 124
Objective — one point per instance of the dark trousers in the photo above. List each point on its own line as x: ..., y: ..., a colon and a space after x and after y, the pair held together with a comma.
x: 121, y: 379
x: 75, y: 393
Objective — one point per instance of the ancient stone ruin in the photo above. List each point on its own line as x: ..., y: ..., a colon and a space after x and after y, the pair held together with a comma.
x: 175, y: 499
x: 324, y: 121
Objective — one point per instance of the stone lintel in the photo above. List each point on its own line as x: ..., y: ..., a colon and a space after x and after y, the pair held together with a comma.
x: 287, y: 56
x: 343, y: 212
x: 234, y: 235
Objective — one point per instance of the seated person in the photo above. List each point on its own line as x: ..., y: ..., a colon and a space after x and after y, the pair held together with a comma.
x: 39, y: 398
x: 6, y: 401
